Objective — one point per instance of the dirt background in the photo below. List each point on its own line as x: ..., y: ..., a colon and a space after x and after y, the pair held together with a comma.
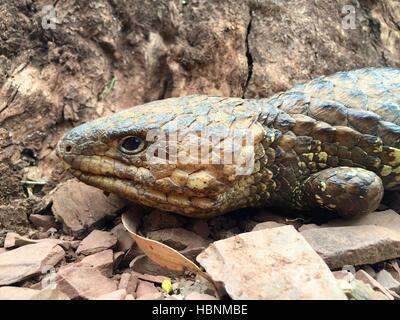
x: 103, y: 56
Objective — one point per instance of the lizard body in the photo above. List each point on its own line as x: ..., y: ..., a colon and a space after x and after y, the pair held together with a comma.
x: 331, y: 143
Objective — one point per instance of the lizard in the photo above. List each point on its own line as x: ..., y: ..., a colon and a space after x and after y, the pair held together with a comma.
x: 332, y: 143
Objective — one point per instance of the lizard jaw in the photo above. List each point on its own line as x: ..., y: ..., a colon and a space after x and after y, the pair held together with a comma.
x: 197, y: 207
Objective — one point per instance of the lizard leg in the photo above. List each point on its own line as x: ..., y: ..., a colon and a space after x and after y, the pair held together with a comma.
x: 347, y: 191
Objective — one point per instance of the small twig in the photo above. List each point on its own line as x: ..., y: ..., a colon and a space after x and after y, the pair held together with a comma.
x: 34, y: 182
x: 108, y: 88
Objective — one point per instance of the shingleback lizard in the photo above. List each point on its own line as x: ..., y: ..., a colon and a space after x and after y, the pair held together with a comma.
x: 331, y: 143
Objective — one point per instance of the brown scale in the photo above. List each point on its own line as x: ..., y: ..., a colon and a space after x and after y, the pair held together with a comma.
x: 324, y: 131
x: 363, y: 121
x: 333, y: 161
x: 389, y: 134
x: 343, y: 152
x: 330, y: 148
x: 303, y: 144
x: 330, y: 113
x: 359, y: 157
x: 385, y: 155
x: 304, y: 124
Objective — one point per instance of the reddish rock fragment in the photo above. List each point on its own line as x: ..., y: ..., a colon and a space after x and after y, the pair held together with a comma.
x: 27, y: 261
x: 115, y: 295
x: 43, y: 221
x: 80, y: 281
x: 95, y: 242
x: 102, y: 260
x: 80, y: 207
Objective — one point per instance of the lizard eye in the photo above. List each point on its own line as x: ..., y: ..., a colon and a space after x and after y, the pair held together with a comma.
x: 131, y: 145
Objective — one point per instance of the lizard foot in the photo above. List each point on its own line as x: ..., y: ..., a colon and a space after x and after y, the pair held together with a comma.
x: 347, y: 191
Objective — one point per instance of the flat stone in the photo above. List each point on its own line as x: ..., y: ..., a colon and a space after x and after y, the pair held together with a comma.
x: 128, y: 282
x: 14, y: 240
x: 115, y: 295
x: 50, y: 294
x: 308, y: 227
x: 358, y: 245
x: 124, y: 240
x: 81, y: 208
x: 2, y: 250
x: 85, y: 282
x: 365, y: 277
x: 199, y: 296
x: 267, y: 225
x: 386, y: 279
x: 389, y: 219
x: 175, y: 297
x: 43, y: 221
x: 17, y: 293
x: 145, y: 288
x: 151, y: 296
x: 27, y: 261
x: 103, y: 261
x: 273, y: 263
x: 95, y: 242
x: 178, y: 238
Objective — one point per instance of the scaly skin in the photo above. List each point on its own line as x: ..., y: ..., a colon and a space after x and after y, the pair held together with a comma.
x: 330, y: 143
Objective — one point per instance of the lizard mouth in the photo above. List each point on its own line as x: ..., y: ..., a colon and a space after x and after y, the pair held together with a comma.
x: 139, y: 188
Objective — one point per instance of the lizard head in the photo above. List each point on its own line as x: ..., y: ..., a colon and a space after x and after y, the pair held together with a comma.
x: 191, y: 155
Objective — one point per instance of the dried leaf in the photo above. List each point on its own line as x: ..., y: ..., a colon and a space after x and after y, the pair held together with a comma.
x: 160, y: 253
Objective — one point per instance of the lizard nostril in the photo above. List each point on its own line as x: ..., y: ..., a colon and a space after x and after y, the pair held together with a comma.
x: 65, y: 148
x: 68, y: 148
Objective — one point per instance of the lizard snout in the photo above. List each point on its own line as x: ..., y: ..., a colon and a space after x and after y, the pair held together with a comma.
x: 65, y: 148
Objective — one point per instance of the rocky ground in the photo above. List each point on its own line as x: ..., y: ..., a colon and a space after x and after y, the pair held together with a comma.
x: 79, y: 249
x: 64, y: 240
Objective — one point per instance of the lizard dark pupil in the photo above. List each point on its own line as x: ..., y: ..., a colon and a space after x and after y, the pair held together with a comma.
x: 131, y: 144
